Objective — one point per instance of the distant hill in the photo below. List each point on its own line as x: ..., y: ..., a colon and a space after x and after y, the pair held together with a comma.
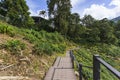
x: 116, y: 19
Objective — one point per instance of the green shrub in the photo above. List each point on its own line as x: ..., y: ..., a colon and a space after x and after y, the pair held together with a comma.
x: 14, y: 46
x: 48, y: 48
x: 7, y: 29
x: 31, y: 38
x: 44, y: 42
x: 11, y: 31
x: 42, y: 48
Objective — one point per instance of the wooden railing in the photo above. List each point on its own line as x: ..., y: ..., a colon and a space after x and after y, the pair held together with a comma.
x: 96, y: 67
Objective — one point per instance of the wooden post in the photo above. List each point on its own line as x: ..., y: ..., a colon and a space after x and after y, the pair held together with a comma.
x: 72, y: 59
x: 80, y: 71
x: 96, y: 68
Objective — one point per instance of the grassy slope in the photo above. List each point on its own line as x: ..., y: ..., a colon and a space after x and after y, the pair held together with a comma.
x: 37, y: 48
x: 109, y: 53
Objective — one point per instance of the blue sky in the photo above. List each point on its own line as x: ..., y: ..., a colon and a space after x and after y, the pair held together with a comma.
x: 97, y: 8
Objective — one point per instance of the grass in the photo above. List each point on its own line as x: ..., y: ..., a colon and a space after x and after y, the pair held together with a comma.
x: 39, y: 48
x: 44, y: 42
x: 109, y: 53
x: 14, y: 46
x: 42, y: 47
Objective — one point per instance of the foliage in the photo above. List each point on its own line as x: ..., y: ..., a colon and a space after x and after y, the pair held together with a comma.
x: 109, y: 53
x: 48, y: 48
x: 44, y: 25
x: 59, y: 11
x: 47, y: 43
x: 98, y: 31
x: 2, y: 18
x: 16, y: 12
x: 4, y: 28
x: 43, y: 42
x: 14, y: 46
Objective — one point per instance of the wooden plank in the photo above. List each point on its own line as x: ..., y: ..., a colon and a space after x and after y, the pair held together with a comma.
x: 68, y: 54
x: 49, y: 74
x: 62, y: 69
x: 64, y: 74
x: 65, y: 62
x: 57, y: 62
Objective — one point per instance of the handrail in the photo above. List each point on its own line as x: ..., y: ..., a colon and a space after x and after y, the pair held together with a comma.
x: 79, y: 65
x: 96, y: 67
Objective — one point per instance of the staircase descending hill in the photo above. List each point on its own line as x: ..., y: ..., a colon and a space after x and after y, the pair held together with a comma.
x: 62, y: 69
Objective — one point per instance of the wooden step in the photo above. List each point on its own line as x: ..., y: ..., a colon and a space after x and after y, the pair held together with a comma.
x: 64, y: 74
x: 62, y: 69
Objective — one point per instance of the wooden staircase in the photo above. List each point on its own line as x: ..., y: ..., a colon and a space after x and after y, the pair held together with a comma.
x: 62, y: 69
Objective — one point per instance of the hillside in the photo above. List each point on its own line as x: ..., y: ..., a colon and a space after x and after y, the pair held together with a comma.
x: 28, y: 53
x: 109, y: 53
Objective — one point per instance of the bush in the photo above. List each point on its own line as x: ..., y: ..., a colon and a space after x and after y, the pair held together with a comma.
x: 31, y: 38
x: 41, y: 48
x: 7, y: 29
x: 48, y: 48
x: 14, y: 46
x: 44, y: 42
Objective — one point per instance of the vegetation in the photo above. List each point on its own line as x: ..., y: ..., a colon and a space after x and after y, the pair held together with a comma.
x: 14, y: 46
x: 59, y: 12
x: 43, y: 41
x: 36, y: 49
x: 109, y: 53
x: 51, y: 37
x: 16, y: 12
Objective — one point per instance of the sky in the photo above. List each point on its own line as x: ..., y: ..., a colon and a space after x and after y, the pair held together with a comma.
x: 99, y: 9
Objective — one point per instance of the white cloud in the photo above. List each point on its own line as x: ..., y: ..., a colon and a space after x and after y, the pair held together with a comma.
x: 101, y: 11
x: 32, y: 13
x: 115, y: 2
x: 75, y: 2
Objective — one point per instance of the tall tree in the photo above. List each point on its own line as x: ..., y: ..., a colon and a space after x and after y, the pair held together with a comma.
x: 59, y: 12
x: 17, y: 12
x: 107, y: 32
x: 3, y: 7
x: 88, y: 20
x: 74, y: 24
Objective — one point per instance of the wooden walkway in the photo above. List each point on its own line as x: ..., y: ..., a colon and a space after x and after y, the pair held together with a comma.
x: 62, y: 69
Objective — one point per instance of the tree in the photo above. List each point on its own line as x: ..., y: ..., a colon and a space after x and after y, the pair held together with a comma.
x: 3, y: 8
x: 74, y: 23
x: 92, y: 30
x: 98, y: 30
x: 88, y: 20
x: 59, y: 12
x: 17, y: 12
x: 117, y: 31
x: 107, y: 32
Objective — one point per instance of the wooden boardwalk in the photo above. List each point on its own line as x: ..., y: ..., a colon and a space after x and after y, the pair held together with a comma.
x: 62, y: 69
